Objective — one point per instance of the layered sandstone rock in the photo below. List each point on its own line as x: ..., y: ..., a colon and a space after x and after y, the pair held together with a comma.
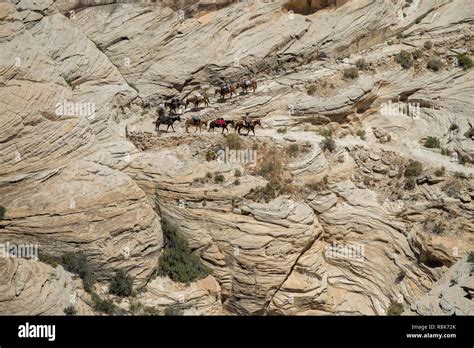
x: 77, y: 181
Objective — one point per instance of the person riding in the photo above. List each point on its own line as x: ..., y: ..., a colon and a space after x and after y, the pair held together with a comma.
x: 247, y: 120
x: 224, y: 86
x: 161, y: 110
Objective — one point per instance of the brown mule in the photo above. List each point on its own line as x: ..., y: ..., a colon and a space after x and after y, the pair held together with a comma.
x: 243, y: 84
x: 196, y: 100
x: 223, y: 91
x: 239, y: 125
x: 199, y: 125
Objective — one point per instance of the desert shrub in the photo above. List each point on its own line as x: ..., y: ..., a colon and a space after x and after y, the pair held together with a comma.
x: 465, y: 61
x: 173, y: 312
x: 435, y: 64
x: 2, y: 212
x: 395, y: 308
x: 413, y: 169
x: 70, y: 310
x: 400, y: 36
x: 405, y: 59
x: 432, y: 143
x: 76, y: 262
x: 219, y: 178
x: 281, y: 130
x: 237, y: 173
x: 318, y: 186
x: 440, y: 172
x: 233, y: 141
x: 237, y: 182
x: 103, y: 305
x: 209, y: 175
x: 417, y: 54
x: 470, y: 257
x: 361, y: 133
x: 328, y: 144
x: 446, y: 152
x: 211, y: 155
x: 326, y: 132
x: 409, y: 183
x: 121, y: 284
x: 293, y: 150
x: 361, y: 64
x: 311, y: 90
x: 351, y: 73
x: 48, y: 259
x: 428, y: 45
x: 176, y: 260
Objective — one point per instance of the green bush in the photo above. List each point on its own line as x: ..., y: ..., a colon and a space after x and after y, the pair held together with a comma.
x: 395, y: 308
x: 432, y: 143
x: 328, y: 144
x: 76, y: 262
x: 409, y: 183
x: 70, y: 310
x: 48, y: 259
x: 103, y: 305
x: 219, y: 178
x: 293, y: 150
x: 211, y: 155
x: 470, y: 257
x: 122, y: 284
x: 312, y: 90
x: 351, y: 73
x: 326, y: 132
x: 417, y: 54
x: 405, y: 59
x: 361, y: 133
x: 281, y: 130
x: 413, y: 169
x: 2, y: 212
x: 435, y: 64
x: 233, y: 141
x: 428, y: 45
x: 236, y: 182
x: 237, y: 173
x: 465, y: 61
x: 361, y: 64
x: 176, y: 260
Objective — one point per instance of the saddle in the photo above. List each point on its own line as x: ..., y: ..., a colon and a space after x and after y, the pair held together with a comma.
x: 164, y: 119
x: 220, y: 122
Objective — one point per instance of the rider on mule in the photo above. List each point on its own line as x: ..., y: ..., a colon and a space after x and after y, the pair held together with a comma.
x: 247, y: 120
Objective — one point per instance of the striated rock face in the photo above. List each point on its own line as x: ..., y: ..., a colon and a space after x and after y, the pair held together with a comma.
x: 199, y: 298
x: 81, y: 168
x: 451, y: 295
x: 28, y: 287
